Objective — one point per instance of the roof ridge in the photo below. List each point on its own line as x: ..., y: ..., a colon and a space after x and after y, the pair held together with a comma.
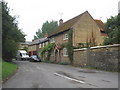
x: 76, y: 16
x: 66, y: 25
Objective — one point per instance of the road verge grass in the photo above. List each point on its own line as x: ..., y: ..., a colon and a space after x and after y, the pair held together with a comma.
x: 8, y: 68
x: 0, y: 70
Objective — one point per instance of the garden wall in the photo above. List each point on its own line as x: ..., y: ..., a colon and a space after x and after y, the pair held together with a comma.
x: 99, y: 57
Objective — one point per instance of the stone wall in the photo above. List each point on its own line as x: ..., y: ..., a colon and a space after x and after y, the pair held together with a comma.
x: 100, y: 57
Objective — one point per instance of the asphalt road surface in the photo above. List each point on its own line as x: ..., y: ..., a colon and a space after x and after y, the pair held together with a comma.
x: 44, y: 75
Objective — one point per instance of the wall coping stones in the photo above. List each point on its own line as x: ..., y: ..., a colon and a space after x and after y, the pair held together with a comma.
x: 97, y: 47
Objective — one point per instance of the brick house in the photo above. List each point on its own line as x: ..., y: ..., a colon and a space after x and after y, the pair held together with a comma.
x: 24, y: 45
x: 33, y: 47
x: 36, y: 45
x: 85, y: 30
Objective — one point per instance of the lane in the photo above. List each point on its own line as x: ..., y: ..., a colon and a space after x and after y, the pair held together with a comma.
x: 42, y: 75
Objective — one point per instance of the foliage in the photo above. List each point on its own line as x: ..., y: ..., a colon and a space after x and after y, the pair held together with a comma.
x: 70, y: 46
x: 8, y: 69
x: 47, y: 49
x: 112, y: 28
x: 0, y: 69
x: 63, y: 45
x: 11, y: 34
x: 39, y: 34
x: 47, y: 28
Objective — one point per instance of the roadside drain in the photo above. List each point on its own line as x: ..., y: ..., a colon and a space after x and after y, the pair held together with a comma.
x: 67, y: 76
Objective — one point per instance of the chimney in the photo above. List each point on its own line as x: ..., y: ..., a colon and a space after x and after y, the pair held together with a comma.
x: 60, y: 21
x: 46, y: 35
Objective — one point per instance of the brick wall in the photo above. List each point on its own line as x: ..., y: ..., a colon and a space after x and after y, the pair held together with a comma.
x: 101, y: 57
x: 85, y: 29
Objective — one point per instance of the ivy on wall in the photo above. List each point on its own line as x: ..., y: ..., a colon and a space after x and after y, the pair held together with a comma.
x: 70, y: 46
x: 47, y: 49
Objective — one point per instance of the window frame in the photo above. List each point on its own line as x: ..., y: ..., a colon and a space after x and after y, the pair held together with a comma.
x: 65, y: 52
x: 52, y: 40
x: 65, y: 36
x: 40, y: 45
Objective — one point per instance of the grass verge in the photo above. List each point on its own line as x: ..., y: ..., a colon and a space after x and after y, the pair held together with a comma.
x: 8, y: 69
x: 0, y: 70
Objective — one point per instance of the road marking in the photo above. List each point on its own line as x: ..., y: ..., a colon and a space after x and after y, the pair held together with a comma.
x: 69, y: 78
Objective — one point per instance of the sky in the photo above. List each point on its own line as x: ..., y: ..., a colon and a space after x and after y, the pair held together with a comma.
x: 33, y: 13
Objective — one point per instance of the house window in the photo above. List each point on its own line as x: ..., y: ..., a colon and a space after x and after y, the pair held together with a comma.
x: 46, y: 43
x: 43, y: 44
x: 65, y: 52
x: 65, y: 36
x: 40, y: 46
x: 52, y: 40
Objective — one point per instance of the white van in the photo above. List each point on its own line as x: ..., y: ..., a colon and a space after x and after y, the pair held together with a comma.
x: 22, y: 55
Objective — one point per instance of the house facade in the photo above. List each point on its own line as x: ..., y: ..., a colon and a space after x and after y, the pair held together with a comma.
x: 36, y: 45
x: 24, y: 45
x: 85, y: 30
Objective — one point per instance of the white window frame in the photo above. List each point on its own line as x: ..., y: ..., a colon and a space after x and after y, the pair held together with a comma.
x: 40, y: 45
x: 46, y: 43
x: 65, y: 52
x: 52, y: 40
x: 65, y: 37
x: 43, y: 44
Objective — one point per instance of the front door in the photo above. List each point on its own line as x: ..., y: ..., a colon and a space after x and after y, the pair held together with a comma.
x: 57, y: 56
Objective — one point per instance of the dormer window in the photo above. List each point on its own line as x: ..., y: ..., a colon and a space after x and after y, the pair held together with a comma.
x: 65, y: 36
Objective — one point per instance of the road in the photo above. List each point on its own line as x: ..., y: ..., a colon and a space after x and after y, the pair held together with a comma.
x: 44, y: 75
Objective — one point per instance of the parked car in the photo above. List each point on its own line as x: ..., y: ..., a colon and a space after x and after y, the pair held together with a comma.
x: 35, y: 58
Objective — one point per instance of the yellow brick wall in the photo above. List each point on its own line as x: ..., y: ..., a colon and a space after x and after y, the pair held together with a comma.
x: 84, y: 28
x: 59, y: 38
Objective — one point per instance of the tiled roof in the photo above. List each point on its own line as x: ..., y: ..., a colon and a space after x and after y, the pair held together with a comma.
x: 25, y: 43
x: 100, y: 24
x: 37, y: 41
x: 67, y: 25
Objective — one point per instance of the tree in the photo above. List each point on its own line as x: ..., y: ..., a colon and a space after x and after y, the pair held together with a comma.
x: 47, y: 27
x: 112, y: 28
x: 11, y: 34
x: 39, y: 34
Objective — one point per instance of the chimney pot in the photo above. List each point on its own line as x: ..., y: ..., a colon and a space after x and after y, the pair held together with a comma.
x: 60, y: 21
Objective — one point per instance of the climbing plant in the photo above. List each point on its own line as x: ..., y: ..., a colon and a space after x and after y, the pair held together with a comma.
x: 47, y: 49
x: 70, y: 46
